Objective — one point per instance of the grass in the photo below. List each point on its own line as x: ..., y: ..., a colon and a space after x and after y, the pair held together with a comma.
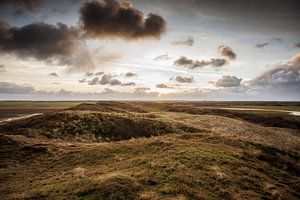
x: 161, y: 167
x: 102, y: 124
x: 272, y: 119
x: 226, y: 158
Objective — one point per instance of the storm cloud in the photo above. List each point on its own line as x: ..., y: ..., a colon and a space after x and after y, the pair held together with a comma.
x: 20, y: 6
x: 39, y: 40
x: 55, y: 44
x: 28, y: 4
x: 112, y: 18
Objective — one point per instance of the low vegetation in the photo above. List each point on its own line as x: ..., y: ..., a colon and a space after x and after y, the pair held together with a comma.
x: 189, y: 156
x: 96, y: 123
x: 272, y: 119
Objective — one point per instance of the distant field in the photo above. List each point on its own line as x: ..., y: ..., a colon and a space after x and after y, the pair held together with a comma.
x: 270, y: 107
x: 9, y: 109
x: 38, y: 104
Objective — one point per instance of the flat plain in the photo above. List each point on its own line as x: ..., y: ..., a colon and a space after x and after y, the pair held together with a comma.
x: 149, y: 150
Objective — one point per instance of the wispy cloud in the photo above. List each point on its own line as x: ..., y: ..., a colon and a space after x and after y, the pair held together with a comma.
x: 261, y: 45
x: 188, y: 41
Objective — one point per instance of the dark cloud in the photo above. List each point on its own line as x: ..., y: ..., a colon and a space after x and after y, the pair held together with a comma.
x: 181, y: 79
x: 297, y: 45
x: 162, y: 57
x: 130, y: 74
x: 261, y: 45
x: 12, y: 88
x: 188, y: 41
x: 281, y: 75
x: 228, y: 81
x: 189, y: 63
x: 39, y: 40
x: 184, y: 61
x: 53, y: 74
x: 20, y: 6
x: 55, y: 44
x: 227, y: 52
x: 263, y: 16
x: 163, y: 86
x: 112, y: 18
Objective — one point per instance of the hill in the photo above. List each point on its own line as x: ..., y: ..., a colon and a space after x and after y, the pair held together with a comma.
x: 146, y: 150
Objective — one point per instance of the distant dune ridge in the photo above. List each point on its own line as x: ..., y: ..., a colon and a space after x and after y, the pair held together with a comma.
x: 96, y: 122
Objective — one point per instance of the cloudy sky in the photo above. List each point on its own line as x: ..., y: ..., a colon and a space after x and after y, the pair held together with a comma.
x: 150, y: 50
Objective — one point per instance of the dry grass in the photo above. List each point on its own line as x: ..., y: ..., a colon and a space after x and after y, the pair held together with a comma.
x: 228, y: 159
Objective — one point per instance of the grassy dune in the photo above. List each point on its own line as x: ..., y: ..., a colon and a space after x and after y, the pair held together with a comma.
x: 147, y: 150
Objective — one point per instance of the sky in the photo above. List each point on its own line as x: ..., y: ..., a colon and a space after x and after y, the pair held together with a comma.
x: 219, y: 50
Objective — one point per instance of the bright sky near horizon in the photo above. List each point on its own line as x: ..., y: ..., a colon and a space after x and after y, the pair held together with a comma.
x: 150, y: 50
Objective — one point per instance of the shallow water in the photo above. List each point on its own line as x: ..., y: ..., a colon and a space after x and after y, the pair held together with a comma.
x: 296, y: 113
x: 18, y: 117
